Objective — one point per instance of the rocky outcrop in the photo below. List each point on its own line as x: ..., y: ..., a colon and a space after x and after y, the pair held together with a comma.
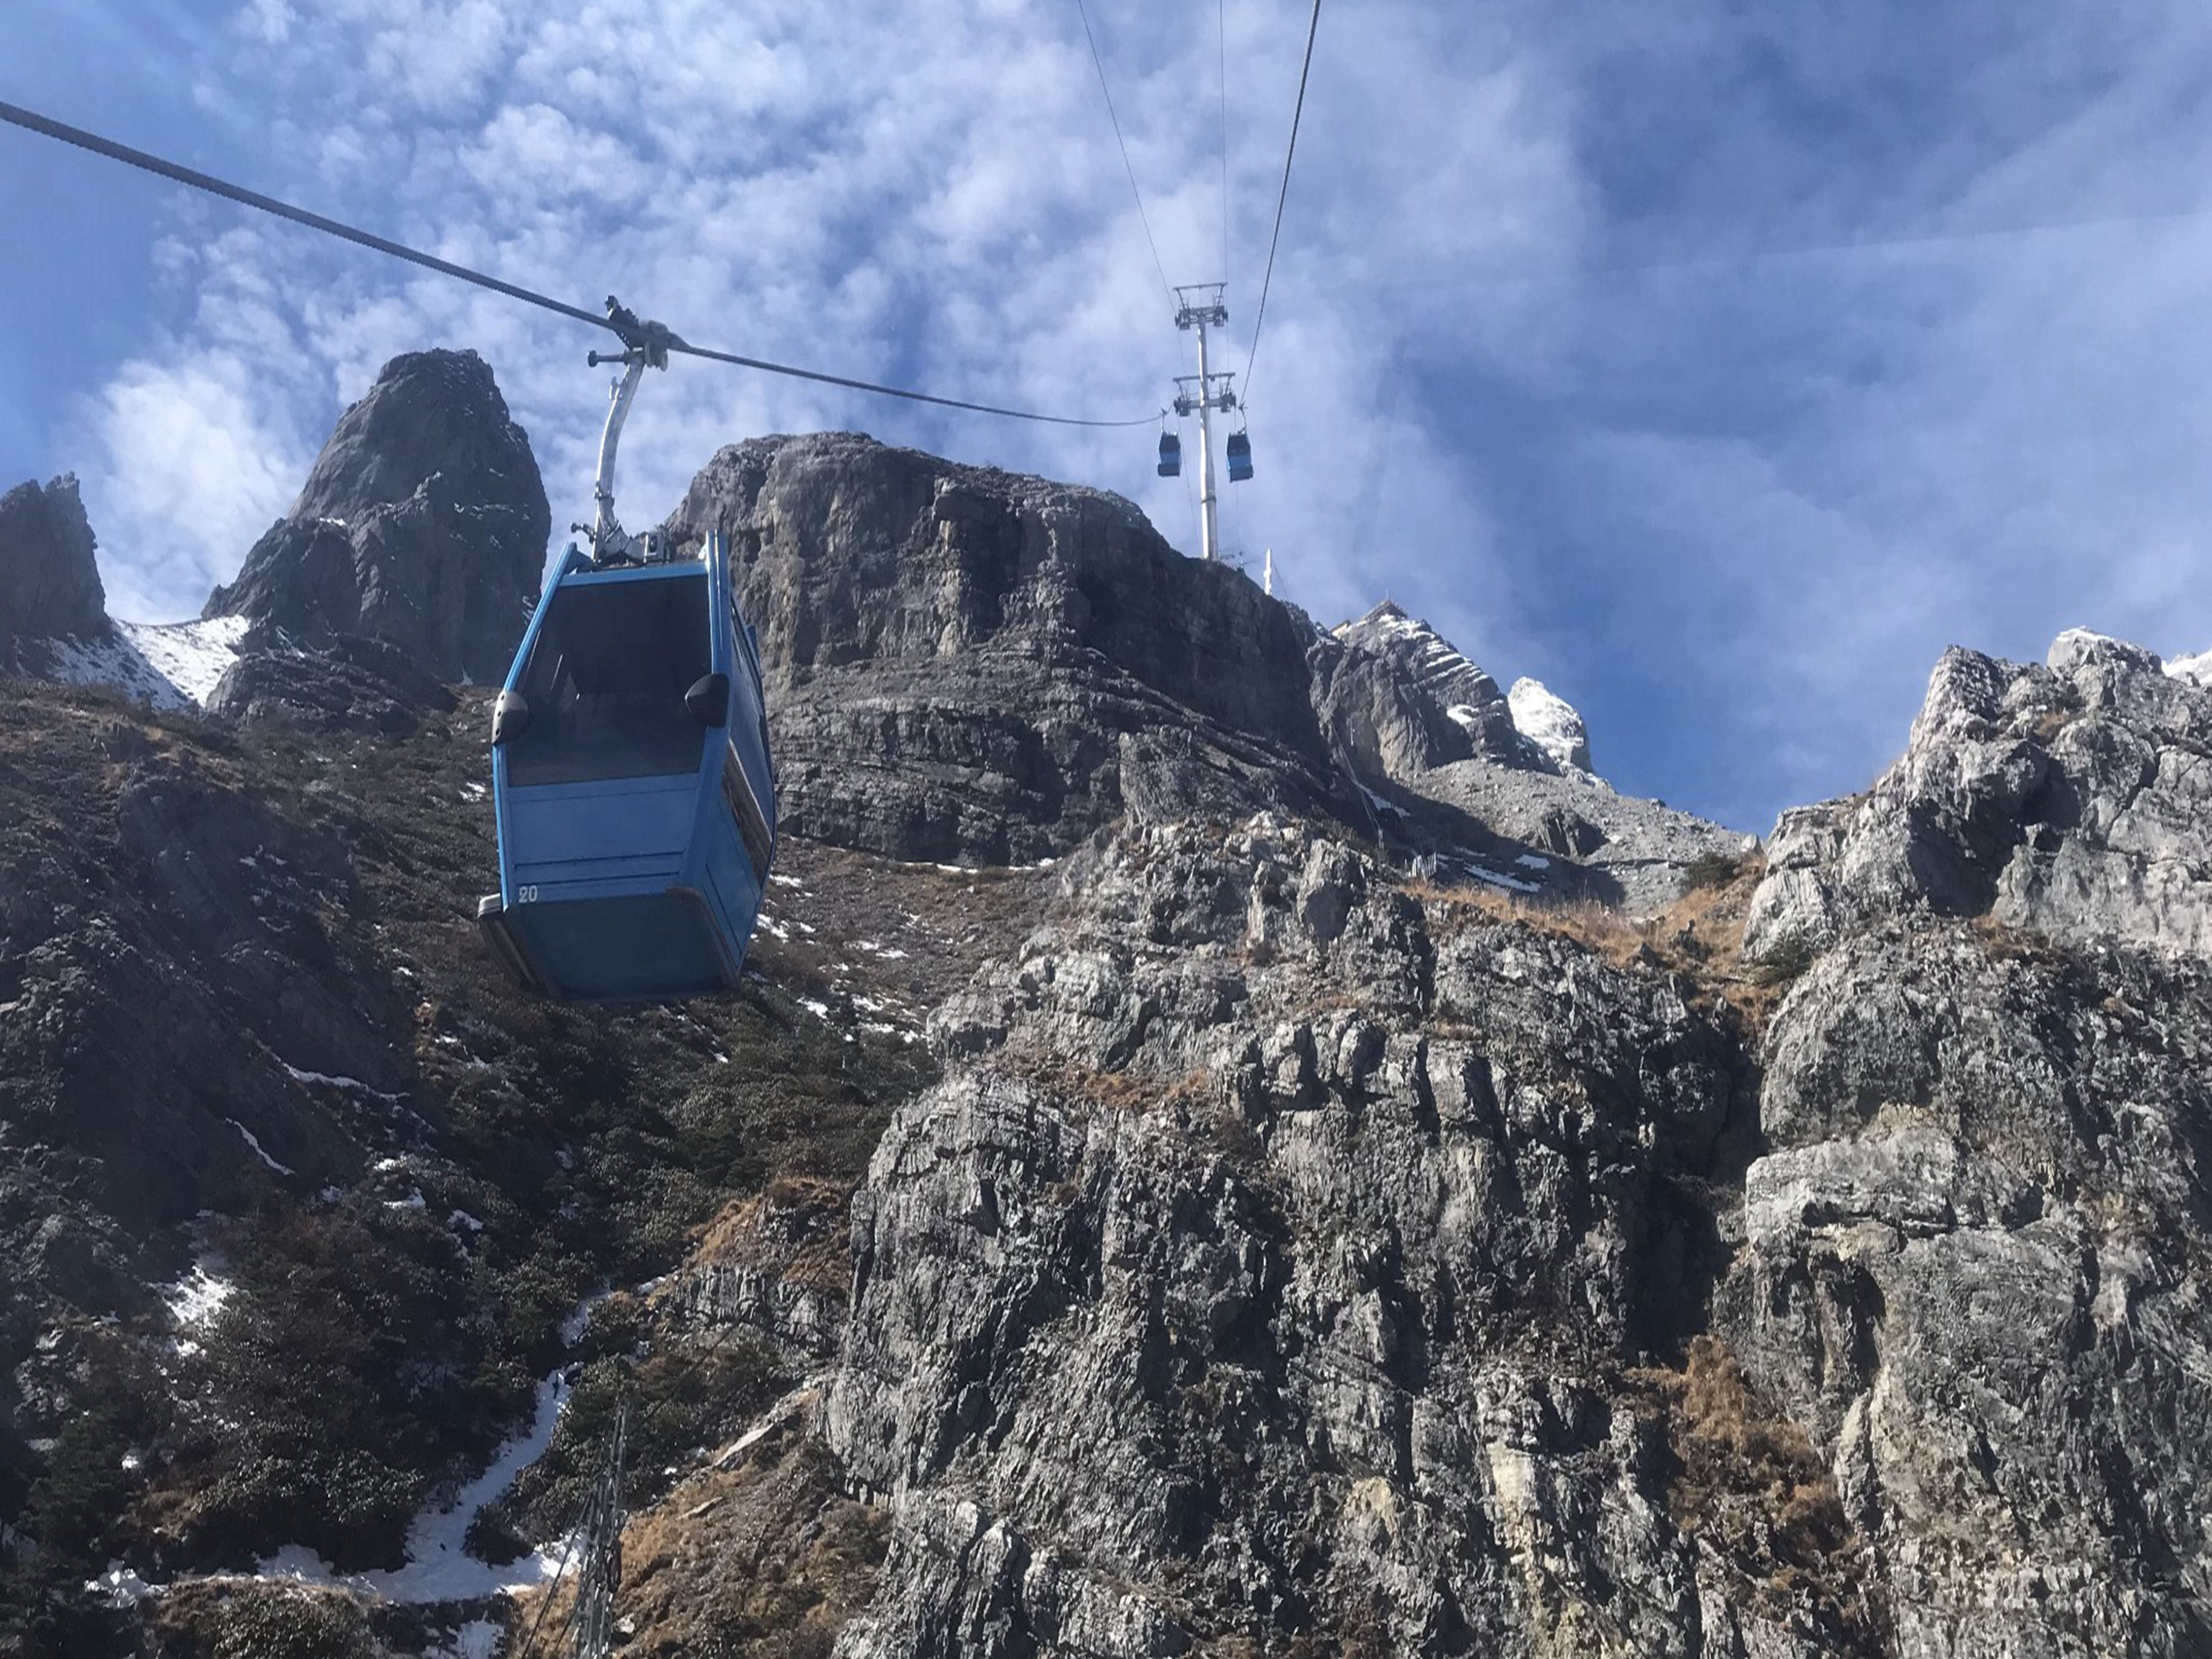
x: 1550, y: 722
x: 1401, y: 699
x: 349, y: 683
x: 1976, y: 1256
x: 967, y: 663
x: 2069, y: 798
x: 423, y: 524
x: 49, y: 576
x: 1975, y: 1268
x: 1494, y: 788
x: 1269, y: 1273
x: 1285, y: 1260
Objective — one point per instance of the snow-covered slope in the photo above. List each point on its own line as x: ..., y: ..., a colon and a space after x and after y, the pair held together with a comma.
x: 168, y: 665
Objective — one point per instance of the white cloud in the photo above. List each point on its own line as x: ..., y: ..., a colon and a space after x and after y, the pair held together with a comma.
x: 193, y: 464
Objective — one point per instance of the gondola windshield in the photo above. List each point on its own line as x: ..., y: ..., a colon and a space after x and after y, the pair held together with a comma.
x: 605, y: 684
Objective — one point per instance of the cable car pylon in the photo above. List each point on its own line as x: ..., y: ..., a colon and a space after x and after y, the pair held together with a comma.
x: 1200, y: 306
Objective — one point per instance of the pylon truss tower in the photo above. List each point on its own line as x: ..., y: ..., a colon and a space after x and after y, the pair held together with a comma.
x: 1200, y: 306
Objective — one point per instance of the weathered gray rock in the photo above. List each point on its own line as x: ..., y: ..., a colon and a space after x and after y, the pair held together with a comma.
x: 1273, y: 1261
x: 967, y: 663
x: 423, y: 524
x: 1975, y: 1268
x: 49, y: 576
x: 347, y: 683
x: 2070, y: 799
x: 1399, y: 698
x: 1453, y: 779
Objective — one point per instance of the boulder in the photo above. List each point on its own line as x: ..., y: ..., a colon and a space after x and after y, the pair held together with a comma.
x: 423, y: 524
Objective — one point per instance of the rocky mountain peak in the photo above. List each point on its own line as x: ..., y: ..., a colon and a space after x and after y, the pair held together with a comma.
x: 1550, y: 722
x: 1452, y: 687
x: 50, y: 585
x: 2066, y: 798
x: 971, y: 664
x: 422, y: 524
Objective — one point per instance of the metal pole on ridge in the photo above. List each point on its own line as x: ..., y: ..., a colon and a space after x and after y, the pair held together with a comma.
x: 1205, y: 311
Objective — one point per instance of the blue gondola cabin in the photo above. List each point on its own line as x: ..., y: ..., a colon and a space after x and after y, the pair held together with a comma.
x: 635, y: 791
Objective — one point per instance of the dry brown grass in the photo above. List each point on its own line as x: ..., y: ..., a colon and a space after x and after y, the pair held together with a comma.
x: 765, y: 1557
x: 1699, y: 936
x: 1749, y: 1481
x: 1120, y: 1090
x: 2001, y: 942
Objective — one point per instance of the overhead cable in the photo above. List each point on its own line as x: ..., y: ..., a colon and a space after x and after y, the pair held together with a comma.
x: 1313, y: 27
x: 1221, y: 37
x: 1099, y: 64
x: 31, y: 121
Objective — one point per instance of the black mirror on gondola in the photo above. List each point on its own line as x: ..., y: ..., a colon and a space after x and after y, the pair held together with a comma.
x: 1171, y: 455
x: 708, y: 700
x: 510, y: 717
x: 1240, y: 457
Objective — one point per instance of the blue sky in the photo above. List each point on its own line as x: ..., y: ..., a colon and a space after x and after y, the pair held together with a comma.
x: 1717, y: 365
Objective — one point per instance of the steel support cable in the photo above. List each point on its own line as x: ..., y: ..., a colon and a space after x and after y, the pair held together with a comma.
x: 33, y: 122
x: 1313, y: 29
x: 1221, y: 37
x: 1128, y: 165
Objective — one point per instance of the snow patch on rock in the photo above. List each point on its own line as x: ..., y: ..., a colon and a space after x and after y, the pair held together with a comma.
x: 2195, y: 668
x: 1550, y: 722
x: 164, y: 665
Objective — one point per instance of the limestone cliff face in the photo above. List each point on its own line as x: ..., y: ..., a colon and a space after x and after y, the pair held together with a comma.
x: 423, y: 524
x: 1288, y: 1257
x: 968, y: 663
x: 1269, y: 1270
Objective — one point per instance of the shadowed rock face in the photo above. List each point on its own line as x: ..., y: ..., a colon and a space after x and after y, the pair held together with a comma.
x: 49, y: 577
x: 969, y: 663
x: 423, y: 524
